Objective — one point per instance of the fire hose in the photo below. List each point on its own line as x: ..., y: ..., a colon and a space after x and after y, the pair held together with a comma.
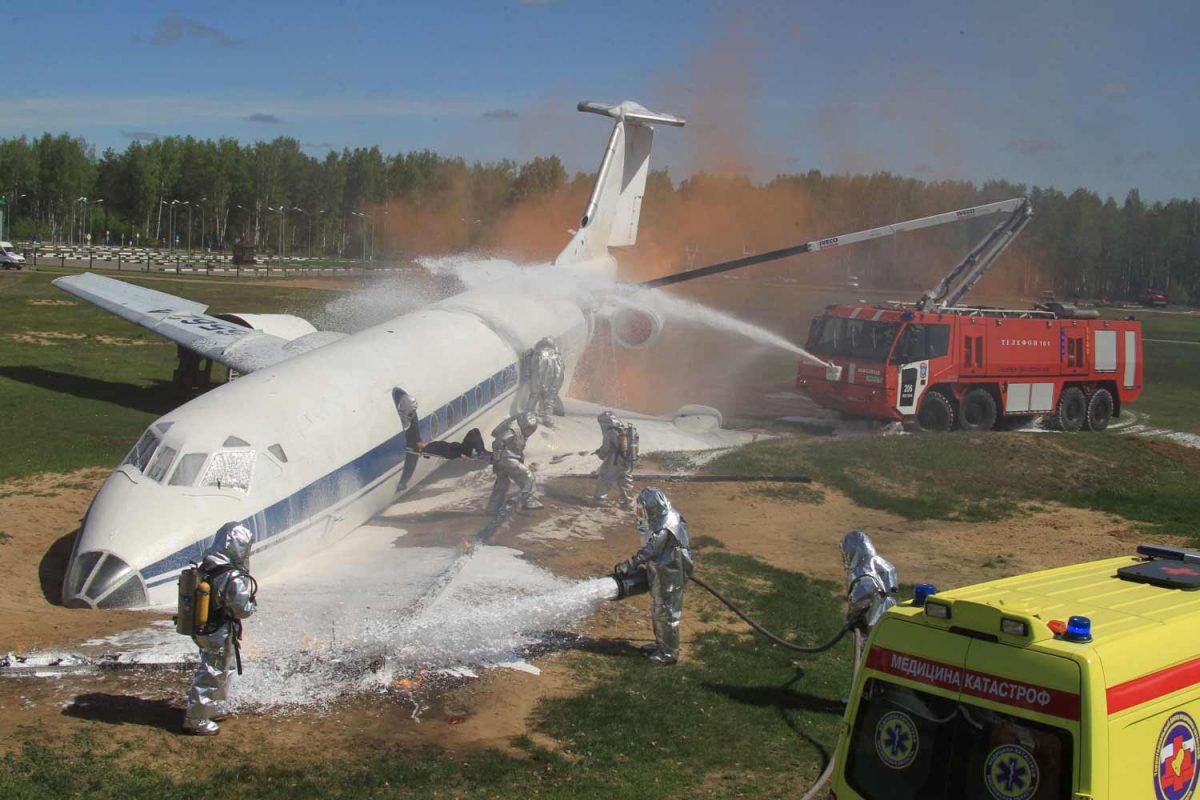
x: 638, y: 582
x: 823, y: 779
x: 799, y: 648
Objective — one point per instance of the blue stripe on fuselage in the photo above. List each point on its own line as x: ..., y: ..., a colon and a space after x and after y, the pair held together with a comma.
x: 346, y: 480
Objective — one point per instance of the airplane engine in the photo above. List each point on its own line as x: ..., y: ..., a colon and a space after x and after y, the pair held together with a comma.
x: 635, y: 327
x: 285, y: 326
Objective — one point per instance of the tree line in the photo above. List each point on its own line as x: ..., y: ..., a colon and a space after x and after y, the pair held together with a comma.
x: 361, y: 203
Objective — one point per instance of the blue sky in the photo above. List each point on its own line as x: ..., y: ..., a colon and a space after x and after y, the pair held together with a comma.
x: 1099, y: 94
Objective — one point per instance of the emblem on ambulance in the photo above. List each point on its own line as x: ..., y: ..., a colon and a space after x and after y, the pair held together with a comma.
x: 924, y: 370
x: 1011, y: 773
x: 1175, y: 773
x: 896, y: 739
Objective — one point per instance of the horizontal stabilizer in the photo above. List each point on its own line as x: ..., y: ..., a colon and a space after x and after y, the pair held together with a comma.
x: 185, y: 323
x: 632, y: 112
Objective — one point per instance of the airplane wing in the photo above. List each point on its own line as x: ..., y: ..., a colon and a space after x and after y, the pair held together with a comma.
x: 185, y: 323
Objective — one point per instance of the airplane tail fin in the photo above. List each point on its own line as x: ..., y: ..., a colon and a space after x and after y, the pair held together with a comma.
x: 611, y: 216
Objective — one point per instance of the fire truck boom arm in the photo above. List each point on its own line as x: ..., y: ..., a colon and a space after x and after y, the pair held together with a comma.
x: 972, y: 268
x: 1009, y: 206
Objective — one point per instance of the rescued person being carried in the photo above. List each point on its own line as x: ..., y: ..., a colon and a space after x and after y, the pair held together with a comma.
x: 406, y: 406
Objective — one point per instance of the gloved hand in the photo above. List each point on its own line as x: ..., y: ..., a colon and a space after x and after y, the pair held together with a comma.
x: 623, y: 569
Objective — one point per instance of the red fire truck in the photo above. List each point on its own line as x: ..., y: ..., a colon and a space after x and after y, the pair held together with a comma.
x: 971, y: 367
x: 943, y: 364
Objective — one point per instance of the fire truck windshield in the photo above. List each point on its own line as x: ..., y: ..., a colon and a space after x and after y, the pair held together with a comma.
x: 853, y: 338
x: 911, y: 744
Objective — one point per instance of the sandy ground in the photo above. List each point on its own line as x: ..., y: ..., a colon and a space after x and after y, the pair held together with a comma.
x: 143, y: 709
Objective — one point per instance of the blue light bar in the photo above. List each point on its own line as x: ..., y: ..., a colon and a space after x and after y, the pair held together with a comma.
x: 921, y: 591
x: 1079, y: 629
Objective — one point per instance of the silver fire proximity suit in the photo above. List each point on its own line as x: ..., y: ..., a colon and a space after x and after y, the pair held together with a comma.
x: 231, y: 599
x: 668, y: 563
x: 871, y: 582
x: 546, y: 380
x: 508, y: 462
x: 614, y: 467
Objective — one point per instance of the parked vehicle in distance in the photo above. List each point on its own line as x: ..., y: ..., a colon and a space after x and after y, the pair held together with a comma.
x: 9, y: 257
x: 1153, y: 298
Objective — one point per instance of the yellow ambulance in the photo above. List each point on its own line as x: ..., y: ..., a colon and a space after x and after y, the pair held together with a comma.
x: 1078, y: 682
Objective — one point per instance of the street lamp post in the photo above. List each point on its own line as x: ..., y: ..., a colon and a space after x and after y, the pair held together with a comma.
x: 188, y: 203
x: 92, y: 204
x: 76, y: 217
x: 363, y: 217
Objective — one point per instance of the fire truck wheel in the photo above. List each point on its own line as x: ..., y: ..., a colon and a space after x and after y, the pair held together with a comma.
x: 1099, y: 410
x: 936, y: 413
x: 1072, y: 410
x: 977, y: 411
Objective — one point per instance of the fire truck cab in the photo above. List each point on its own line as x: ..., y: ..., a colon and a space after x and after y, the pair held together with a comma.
x: 971, y: 367
x: 1072, y: 683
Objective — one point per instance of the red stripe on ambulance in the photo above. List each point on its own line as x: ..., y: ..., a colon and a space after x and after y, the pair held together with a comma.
x: 1153, y: 686
x: 1026, y: 696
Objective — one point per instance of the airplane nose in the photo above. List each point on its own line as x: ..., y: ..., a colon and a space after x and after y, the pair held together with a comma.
x: 96, y: 579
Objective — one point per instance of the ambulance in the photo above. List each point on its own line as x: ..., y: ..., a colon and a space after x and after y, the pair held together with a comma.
x: 1077, y: 682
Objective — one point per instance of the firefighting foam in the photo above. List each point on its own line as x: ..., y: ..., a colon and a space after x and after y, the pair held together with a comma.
x: 495, y: 612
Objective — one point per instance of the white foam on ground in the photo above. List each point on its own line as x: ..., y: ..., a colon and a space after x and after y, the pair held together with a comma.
x: 497, y: 607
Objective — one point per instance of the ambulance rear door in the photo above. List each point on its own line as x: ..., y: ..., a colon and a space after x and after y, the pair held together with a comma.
x: 1021, y: 709
x: 903, y: 713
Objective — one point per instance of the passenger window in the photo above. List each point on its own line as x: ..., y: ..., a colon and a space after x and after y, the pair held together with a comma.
x: 979, y: 352
x: 160, y: 463
x: 188, y: 469
x: 141, y: 453
x: 277, y: 451
x: 230, y: 470
x: 967, y: 352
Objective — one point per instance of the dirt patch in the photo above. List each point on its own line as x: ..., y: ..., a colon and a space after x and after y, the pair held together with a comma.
x: 44, y: 338
x: 126, y: 342
x: 40, y: 516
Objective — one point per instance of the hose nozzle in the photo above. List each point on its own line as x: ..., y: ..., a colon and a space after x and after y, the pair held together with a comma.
x: 632, y: 584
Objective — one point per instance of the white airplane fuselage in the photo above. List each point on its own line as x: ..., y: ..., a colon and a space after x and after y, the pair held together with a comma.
x: 316, y: 441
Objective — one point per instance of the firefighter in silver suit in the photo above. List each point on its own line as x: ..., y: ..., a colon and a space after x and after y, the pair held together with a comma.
x: 547, y: 373
x: 226, y: 567
x: 616, y: 464
x: 871, y: 582
x: 508, y: 462
x: 668, y: 563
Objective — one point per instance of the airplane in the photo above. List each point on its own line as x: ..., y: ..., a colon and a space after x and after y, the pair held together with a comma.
x: 306, y: 445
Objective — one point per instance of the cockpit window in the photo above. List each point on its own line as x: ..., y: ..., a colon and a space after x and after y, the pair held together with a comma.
x: 230, y: 469
x: 188, y: 469
x: 141, y: 453
x: 277, y: 451
x: 160, y: 463
x: 234, y: 441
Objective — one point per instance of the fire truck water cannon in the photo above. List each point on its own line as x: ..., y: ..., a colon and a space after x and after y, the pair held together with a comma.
x: 939, y: 364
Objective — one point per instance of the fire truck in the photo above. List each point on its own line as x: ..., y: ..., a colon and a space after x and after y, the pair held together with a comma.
x: 942, y: 364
